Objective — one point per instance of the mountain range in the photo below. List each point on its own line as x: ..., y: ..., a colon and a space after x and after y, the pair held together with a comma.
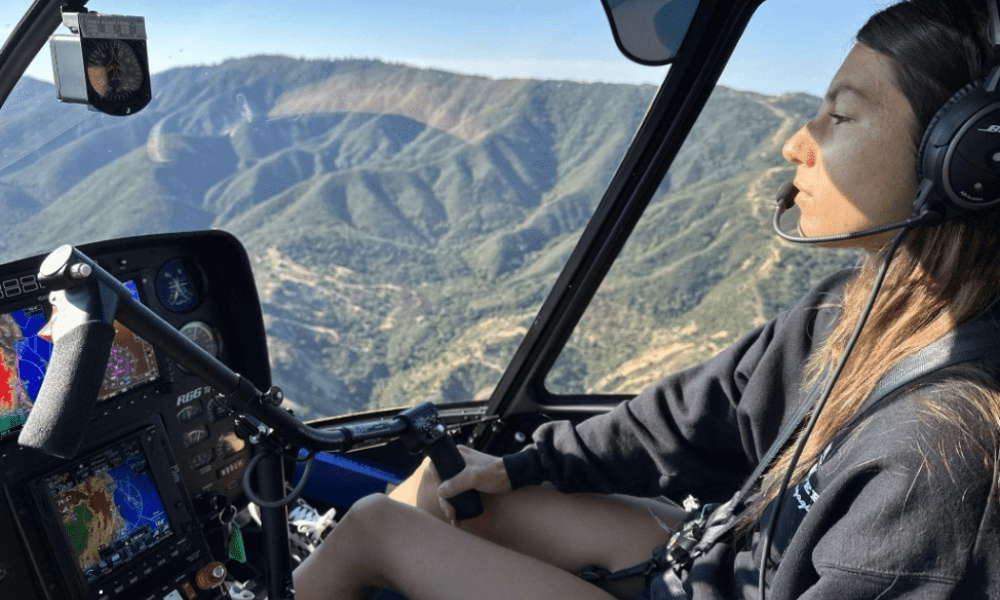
x: 405, y: 224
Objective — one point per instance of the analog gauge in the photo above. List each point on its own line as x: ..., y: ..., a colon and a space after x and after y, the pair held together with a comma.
x: 189, y: 412
x: 201, y: 459
x: 229, y: 444
x: 114, y: 70
x: 203, y: 335
x: 218, y: 410
x: 194, y: 436
x: 175, y: 288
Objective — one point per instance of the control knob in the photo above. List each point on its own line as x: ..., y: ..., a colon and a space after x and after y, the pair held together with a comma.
x: 211, y: 575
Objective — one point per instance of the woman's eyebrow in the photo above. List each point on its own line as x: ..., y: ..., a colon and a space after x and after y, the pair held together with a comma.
x: 845, y: 87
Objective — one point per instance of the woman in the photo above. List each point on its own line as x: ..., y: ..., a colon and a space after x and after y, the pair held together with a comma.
x: 899, y: 500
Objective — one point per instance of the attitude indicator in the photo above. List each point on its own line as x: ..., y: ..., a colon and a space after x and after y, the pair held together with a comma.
x: 175, y: 288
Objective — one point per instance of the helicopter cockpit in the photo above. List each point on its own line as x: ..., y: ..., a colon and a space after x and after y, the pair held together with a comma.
x: 313, y: 228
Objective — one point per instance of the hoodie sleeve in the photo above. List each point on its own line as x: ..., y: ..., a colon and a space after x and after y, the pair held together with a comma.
x: 699, y: 431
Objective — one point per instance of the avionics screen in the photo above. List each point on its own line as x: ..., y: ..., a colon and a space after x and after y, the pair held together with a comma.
x: 25, y: 355
x: 109, y: 507
x: 131, y: 361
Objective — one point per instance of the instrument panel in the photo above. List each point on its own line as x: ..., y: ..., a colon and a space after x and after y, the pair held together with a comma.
x: 132, y: 515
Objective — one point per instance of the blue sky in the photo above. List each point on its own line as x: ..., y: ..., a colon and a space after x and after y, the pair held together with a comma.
x: 792, y: 45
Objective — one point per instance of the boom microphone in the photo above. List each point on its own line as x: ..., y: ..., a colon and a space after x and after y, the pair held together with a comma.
x: 924, y: 214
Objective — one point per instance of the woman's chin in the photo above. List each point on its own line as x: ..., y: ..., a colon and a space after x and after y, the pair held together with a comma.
x: 811, y: 232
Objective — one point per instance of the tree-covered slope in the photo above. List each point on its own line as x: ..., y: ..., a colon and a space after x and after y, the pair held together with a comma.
x: 405, y: 224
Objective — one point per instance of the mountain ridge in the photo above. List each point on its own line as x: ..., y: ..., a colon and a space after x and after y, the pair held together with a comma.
x: 404, y: 224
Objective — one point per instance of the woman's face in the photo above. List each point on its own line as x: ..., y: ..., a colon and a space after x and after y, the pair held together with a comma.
x: 856, y: 159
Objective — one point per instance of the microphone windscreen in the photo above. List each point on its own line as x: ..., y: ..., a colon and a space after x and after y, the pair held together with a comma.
x: 786, y: 195
x: 58, y: 420
x: 786, y: 214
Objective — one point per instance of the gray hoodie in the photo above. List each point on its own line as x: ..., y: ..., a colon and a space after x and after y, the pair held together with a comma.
x: 900, y: 506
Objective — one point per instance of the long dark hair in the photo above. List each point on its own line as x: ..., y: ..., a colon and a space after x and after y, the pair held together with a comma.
x: 941, y: 277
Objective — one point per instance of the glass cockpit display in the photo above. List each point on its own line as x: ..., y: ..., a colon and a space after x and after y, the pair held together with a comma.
x: 132, y: 361
x: 24, y: 356
x: 109, y: 507
x: 25, y: 351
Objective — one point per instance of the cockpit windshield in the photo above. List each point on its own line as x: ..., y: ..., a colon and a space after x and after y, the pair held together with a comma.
x: 408, y: 179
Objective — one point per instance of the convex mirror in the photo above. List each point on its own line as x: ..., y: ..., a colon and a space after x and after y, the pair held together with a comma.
x: 650, y: 32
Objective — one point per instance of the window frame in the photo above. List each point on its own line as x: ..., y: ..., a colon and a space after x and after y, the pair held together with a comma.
x: 714, y: 32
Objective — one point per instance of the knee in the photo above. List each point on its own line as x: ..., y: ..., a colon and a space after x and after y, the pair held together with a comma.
x: 349, y: 559
x: 371, y: 522
x: 368, y: 516
x: 371, y: 531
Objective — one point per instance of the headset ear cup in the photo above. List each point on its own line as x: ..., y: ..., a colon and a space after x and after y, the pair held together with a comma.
x: 930, y: 132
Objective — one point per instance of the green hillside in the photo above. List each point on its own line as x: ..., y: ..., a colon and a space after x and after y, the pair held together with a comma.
x: 405, y: 224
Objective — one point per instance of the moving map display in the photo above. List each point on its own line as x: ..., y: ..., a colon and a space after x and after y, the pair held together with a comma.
x: 25, y: 353
x: 110, y: 508
x: 24, y: 357
x: 131, y: 362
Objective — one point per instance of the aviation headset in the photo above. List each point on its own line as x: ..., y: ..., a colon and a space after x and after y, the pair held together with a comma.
x: 959, y: 156
x: 958, y: 163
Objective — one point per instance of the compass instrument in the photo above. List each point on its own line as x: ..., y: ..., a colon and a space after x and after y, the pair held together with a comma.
x: 113, y: 69
x: 103, y: 64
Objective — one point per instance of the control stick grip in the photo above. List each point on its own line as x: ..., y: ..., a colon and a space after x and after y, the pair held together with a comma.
x: 57, y: 423
x: 449, y: 462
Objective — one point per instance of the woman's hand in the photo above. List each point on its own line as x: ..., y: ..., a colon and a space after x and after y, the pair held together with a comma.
x: 483, y: 472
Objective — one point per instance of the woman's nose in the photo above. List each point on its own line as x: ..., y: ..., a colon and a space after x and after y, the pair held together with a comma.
x: 798, y: 150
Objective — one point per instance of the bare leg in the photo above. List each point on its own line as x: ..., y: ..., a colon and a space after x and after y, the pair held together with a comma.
x: 532, y: 538
x: 569, y: 531
x: 381, y: 543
